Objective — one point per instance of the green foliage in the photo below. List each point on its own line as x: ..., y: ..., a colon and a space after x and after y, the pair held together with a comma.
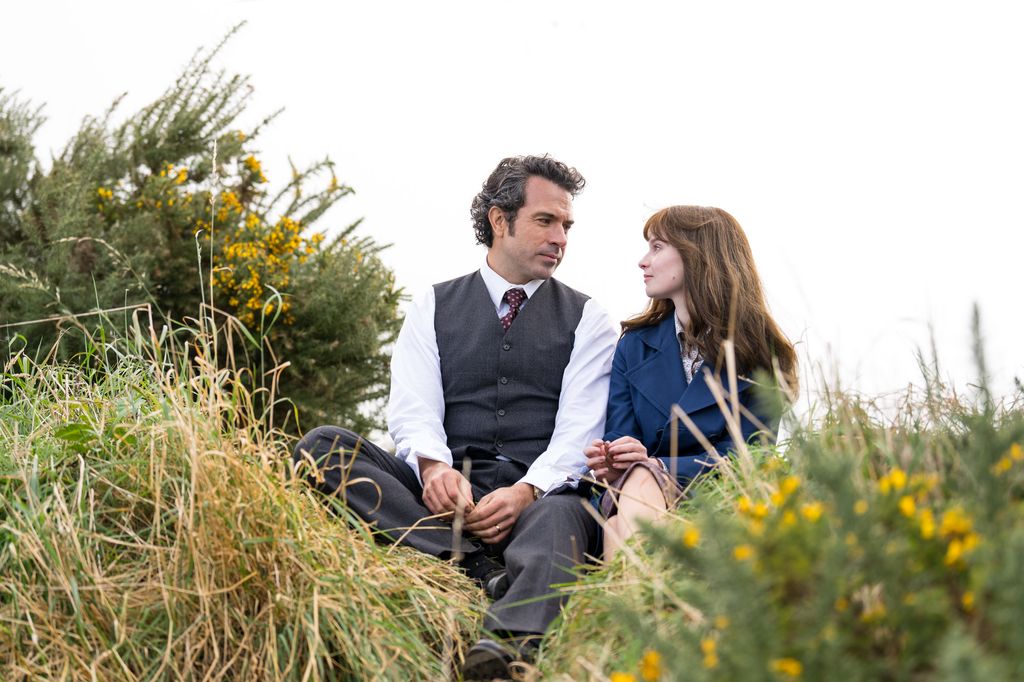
x: 878, y: 548
x: 172, y: 208
x: 148, y: 530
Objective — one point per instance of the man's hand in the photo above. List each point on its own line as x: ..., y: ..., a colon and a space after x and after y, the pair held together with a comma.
x: 443, y: 487
x: 497, y: 512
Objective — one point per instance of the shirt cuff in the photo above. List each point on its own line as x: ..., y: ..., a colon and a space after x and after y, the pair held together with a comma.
x: 547, y: 479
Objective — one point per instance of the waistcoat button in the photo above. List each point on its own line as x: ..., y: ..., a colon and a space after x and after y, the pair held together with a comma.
x: 501, y: 413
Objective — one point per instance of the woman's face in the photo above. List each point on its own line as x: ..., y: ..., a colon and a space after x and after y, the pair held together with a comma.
x: 663, y: 270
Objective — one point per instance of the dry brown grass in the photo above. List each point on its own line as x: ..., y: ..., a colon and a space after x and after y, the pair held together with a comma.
x: 148, y: 530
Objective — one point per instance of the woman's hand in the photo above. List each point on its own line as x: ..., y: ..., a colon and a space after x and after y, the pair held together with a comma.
x: 623, y: 452
x: 609, y: 460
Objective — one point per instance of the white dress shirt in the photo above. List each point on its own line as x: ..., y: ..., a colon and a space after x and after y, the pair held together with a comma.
x: 416, y: 405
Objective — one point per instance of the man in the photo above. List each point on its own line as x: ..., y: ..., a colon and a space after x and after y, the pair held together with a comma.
x: 502, y: 373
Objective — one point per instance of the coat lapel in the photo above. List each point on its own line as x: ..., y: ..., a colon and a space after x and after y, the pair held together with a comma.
x: 659, y: 378
x: 698, y: 394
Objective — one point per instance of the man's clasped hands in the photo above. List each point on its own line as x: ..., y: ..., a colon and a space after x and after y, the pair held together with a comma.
x: 446, y: 491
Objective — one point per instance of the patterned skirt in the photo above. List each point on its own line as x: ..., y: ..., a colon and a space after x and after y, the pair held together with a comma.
x: 670, y: 487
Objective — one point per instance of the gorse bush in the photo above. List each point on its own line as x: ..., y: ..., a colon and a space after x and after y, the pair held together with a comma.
x: 173, y: 208
x: 877, y: 548
x: 148, y: 530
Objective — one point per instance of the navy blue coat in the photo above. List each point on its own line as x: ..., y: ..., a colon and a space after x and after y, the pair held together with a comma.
x: 647, y: 379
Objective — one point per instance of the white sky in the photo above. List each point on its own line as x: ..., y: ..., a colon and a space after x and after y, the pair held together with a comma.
x: 873, y: 151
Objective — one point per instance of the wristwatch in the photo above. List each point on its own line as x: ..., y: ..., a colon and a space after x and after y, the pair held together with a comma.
x: 536, y: 492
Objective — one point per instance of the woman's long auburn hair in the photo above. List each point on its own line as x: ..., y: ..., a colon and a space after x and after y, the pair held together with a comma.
x: 724, y: 295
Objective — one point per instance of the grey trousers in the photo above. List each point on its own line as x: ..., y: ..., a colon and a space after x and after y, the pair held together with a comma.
x: 550, y: 538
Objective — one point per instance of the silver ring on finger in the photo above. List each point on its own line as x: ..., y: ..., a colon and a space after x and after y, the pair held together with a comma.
x: 497, y: 527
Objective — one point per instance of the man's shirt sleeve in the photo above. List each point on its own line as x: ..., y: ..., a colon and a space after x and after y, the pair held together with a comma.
x: 416, y: 405
x: 582, y: 403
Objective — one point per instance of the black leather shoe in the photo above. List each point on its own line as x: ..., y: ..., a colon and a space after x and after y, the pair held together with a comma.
x: 488, y: 573
x: 496, y: 584
x: 488, y: 660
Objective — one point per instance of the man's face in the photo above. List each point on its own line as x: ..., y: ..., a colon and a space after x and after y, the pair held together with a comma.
x: 534, y: 245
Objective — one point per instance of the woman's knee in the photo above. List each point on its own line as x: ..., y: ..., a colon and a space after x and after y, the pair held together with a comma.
x: 638, y: 480
x: 641, y: 495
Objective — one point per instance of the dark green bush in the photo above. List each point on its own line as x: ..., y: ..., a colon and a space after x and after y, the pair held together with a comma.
x: 172, y: 208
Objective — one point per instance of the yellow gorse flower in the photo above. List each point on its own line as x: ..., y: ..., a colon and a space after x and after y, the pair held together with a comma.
x: 691, y: 536
x: 959, y: 548
x: 954, y: 553
x: 254, y: 256
x: 789, y: 485
x: 708, y: 648
x: 907, y: 506
x: 622, y: 677
x: 926, y: 521
x: 1002, y: 466
x: 255, y: 167
x: 895, y: 480
x: 955, y: 522
x: 790, y: 667
x: 650, y: 666
x: 898, y: 479
x: 743, y: 552
x: 812, y: 511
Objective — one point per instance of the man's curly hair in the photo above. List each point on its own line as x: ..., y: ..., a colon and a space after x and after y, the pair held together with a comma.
x: 506, y: 189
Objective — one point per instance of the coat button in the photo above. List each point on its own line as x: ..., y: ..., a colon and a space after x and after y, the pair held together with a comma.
x: 499, y: 444
x: 503, y: 380
x: 501, y: 413
x: 506, y: 346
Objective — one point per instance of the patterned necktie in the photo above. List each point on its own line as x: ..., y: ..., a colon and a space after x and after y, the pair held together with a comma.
x: 514, y: 298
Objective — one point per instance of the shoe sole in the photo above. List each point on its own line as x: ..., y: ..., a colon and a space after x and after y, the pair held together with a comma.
x: 487, y: 664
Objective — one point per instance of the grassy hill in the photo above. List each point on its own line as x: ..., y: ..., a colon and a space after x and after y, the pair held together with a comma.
x: 149, y: 530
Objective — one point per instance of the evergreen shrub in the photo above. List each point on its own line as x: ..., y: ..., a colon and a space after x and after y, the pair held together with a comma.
x: 173, y: 208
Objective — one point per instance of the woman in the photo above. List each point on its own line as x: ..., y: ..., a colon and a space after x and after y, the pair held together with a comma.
x: 704, y: 289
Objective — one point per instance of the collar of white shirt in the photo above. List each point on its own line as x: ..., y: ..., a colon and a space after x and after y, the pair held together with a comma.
x: 497, y: 286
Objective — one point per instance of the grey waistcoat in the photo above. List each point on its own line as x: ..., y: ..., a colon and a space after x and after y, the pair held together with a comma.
x: 501, y: 389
